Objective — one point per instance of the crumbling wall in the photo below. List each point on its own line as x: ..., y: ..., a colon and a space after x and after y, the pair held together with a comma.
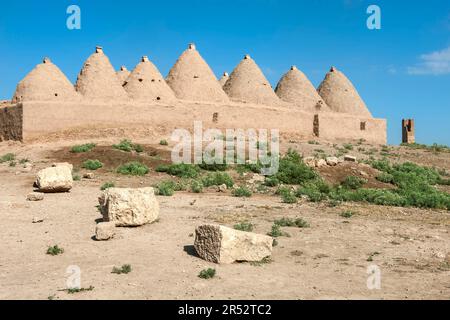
x: 11, y: 121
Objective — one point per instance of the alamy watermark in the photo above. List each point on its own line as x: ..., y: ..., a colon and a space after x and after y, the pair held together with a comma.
x: 231, y: 146
x: 74, y: 20
x: 374, y: 20
x: 74, y: 279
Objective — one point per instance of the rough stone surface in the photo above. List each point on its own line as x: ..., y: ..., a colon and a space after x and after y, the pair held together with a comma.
x: 321, y: 163
x: 223, y: 245
x: 310, y: 161
x: 332, y: 161
x: 105, y: 231
x: 223, y: 188
x: 350, y: 158
x: 35, y: 196
x: 55, y: 179
x: 129, y: 207
x: 88, y: 175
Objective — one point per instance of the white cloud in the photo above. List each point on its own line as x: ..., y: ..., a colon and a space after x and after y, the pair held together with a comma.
x: 435, y: 63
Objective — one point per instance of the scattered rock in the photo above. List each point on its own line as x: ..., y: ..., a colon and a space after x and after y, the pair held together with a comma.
x: 332, y: 161
x: 105, y: 231
x: 63, y: 164
x: 89, y: 175
x: 223, y: 188
x: 223, y: 245
x: 310, y: 162
x: 129, y: 207
x: 257, y: 178
x: 55, y: 179
x: 364, y: 174
x: 350, y: 158
x: 321, y: 163
x: 35, y: 196
x: 38, y: 220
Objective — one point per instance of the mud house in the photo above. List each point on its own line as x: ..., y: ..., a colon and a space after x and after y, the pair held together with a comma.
x: 47, y: 103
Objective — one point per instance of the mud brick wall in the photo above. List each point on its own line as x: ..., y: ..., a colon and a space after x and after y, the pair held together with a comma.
x: 41, y: 119
x: 11, y: 122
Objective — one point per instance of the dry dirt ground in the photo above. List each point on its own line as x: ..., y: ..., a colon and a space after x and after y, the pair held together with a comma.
x: 329, y: 260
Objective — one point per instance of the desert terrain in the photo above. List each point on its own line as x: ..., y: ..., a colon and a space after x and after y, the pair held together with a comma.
x: 328, y: 259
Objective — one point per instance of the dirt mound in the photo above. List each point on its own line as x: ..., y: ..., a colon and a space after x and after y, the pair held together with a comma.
x: 123, y: 74
x: 45, y: 83
x: 247, y: 83
x: 224, y: 79
x: 341, y: 96
x: 295, y: 87
x: 192, y: 79
x: 147, y: 84
x: 98, y: 80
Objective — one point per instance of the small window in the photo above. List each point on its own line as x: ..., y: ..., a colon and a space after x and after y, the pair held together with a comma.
x: 363, y: 126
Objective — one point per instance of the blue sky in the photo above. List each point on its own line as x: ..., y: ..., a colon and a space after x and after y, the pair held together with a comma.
x: 401, y: 71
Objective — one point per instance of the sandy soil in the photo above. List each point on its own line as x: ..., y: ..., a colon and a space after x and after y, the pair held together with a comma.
x: 329, y: 260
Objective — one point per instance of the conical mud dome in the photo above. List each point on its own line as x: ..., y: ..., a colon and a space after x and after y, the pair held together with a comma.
x: 123, y: 74
x: 224, y: 78
x: 45, y: 83
x: 341, y: 96
x: 248, y: 83
x: 146, y: 83
x: 98, y: 80
x: 192, y: 79
x: 294, y: 87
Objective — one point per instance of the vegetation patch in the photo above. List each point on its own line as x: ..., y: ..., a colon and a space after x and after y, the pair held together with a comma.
x: 288, y: 222
x: 92, y: 165
x: 83, y: 148
x: 128, y: 146
x: 107, y: 185
x: 244, y: 226
x: 55, y: 251
x: 133, y: 169
x: 180, y: 170
x: 7, y: 157
x: 242, y: 192
x: 125, y: 269
x: 207, y: 274
x: 217, y: 179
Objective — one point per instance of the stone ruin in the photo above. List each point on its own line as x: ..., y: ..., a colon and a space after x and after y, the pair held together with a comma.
x: 46, y: 102
x: 408, y: 131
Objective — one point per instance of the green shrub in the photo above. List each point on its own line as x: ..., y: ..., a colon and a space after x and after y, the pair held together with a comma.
x: 385, y: 177
x: 348, y: 146
x: 316, y: 190
x: 293, y: 170
x: 164, y: 143
x: 55, y: 250
x: 271, y: 181
x: 276, y: 232
x: 133, y: 169
x: 347, y: 214
x: 83, y: 148
x: 92, y: 165
x: 242, y: 192
x: 353, y: 182
x: 7, y: 157
x: 207, y: 274
x: 76, y: 177
x: 180, y: 170
x: 125, y: 269
x: 288, y: 222
x: 128, y: 146
x: 78, y: 290
x: 107, y: 185
x: 166, y: 188
x: 287, y: 196
x: 197, y: 186
x: 244, y: 226
x: 217, y: 179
